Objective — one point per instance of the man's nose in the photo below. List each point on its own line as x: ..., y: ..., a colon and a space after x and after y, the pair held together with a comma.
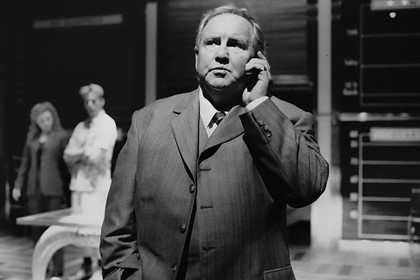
x: 222, y: 54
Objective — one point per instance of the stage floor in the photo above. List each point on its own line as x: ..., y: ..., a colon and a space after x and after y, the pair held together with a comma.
x: 309, y: 263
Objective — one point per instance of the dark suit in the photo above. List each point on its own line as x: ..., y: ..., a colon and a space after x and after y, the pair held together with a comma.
x: 52, y: 171
x: 241, y: 180
x: 44, y: 182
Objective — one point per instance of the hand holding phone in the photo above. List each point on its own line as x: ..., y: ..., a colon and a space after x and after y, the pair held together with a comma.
x: 257, y: 78
x: 251, y: 78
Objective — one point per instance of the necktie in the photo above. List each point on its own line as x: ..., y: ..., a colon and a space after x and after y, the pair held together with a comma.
x: 218, y: 117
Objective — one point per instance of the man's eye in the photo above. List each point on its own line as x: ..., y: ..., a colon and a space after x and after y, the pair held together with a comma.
x: 236, y: 45
x: 237, y: 48
x: 211, y: 44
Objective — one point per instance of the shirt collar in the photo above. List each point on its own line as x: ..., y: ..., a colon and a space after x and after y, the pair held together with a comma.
x: 99, y: 115
x: 207, y: 110
x: 90, y: 121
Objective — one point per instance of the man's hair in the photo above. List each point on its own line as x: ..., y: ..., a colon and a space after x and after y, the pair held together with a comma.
x: 95, y: 88
x: 258, y: 41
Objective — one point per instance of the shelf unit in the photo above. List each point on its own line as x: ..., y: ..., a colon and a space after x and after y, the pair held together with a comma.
x: 388, y: 168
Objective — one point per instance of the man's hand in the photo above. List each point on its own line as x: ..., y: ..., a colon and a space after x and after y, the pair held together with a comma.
x: 264, y: 79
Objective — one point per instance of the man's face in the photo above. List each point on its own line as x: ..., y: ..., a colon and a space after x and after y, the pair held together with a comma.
x: 93, y: 104
x: 224, y: 49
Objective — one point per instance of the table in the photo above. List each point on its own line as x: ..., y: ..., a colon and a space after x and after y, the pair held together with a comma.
x: 65, y: 227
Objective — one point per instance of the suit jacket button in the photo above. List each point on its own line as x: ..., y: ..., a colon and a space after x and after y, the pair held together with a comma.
x: 268, y: 133
x: 174, y: 267
x: 182, y: 228
x: 192, y: 188
x: 260, y: 123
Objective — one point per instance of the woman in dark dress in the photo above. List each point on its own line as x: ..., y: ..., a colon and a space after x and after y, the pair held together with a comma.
x: 42, y: 175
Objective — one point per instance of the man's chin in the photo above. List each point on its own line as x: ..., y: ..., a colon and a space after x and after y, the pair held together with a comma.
x: 220, y: 86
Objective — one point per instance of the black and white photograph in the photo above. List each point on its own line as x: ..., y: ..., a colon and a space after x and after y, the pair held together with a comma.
x: 210, y: 140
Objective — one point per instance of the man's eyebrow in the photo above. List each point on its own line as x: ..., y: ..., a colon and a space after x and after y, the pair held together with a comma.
x: 239, y: 40
x: 242, y: 41
x: 212, y: 37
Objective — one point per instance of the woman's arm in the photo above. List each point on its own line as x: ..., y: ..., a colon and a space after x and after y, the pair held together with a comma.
x: 22, y: 173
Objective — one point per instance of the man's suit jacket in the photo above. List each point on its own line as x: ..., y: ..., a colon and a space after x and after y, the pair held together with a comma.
x: 248, y: 170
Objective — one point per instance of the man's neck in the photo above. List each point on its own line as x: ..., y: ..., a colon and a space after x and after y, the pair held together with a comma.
x: 96, y: 114
x: 222, y: 100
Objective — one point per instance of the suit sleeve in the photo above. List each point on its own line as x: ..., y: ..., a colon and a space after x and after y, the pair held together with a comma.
x: 118, y: 244
x: 281, y: 140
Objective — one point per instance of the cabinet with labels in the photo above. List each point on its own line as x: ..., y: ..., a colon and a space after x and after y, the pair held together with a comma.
x: 380, y: 164
x: 376, y: 66
x: 378, y: 57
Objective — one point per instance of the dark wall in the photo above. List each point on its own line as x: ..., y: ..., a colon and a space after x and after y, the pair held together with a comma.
x: 2, y: 107
x: 52, y: 48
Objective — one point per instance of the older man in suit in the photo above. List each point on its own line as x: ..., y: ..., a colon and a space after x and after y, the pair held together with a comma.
x: 198, y: 196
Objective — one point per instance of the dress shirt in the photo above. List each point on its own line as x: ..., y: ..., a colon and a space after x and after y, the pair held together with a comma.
x: 207, y: 111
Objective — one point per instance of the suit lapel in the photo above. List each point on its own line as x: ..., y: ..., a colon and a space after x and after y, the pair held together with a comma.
x: 185, y: 130
x: 231, y: 127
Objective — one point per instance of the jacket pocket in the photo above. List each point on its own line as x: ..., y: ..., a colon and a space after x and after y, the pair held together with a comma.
x: 132, y: 261
x: 128, y: 269
x: 283, y: 273
x: 124, y: 274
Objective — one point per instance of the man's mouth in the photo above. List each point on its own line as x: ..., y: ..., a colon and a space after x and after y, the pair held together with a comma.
x: 220, y: 72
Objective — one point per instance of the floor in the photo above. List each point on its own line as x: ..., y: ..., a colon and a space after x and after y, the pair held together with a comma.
x: 16, y: 252
x: 311, y: 264
x: 308, y: 263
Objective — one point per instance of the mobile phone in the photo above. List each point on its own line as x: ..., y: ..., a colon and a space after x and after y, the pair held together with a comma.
x: 251, y: 78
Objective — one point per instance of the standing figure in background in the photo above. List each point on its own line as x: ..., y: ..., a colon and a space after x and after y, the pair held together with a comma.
x: 201, y: 185
x: 42, y: 176
x: 88, y: 156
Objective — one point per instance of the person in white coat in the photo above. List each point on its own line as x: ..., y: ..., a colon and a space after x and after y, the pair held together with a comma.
x: 88, y: 156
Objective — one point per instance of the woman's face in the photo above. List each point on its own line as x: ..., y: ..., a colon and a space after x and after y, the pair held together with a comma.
x: 45, y: 121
